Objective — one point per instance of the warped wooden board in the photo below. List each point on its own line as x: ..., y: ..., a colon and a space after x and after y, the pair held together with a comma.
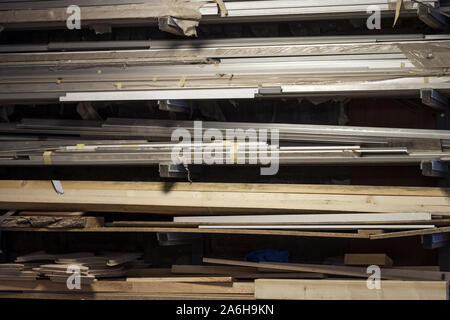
x: 367, y: 259
x: 409, y: 233
x: 122, y: 258
x: 183, y: 279
x: 52, y: 213
x: 42, y: 255
x: 131, y: 287
x: 386, y: 273
x: 206, y: 231
x: 148, y: 272
x: 427, y: 268
x: 306, y: 218
x: 92, y: 196
x: 242, y: 272
x: 197, y: 269
x: 349, y: 290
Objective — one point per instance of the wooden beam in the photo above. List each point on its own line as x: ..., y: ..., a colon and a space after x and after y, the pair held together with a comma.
x: 138, y: 197
x: 52, y: 213
x: 242, y: 272
x: 386, y: 273
x: 300, y: 219
x: 367, y: 259
x: 171, y: 224
x: 237, y: 187
x: 204, y: 231
x: 131, y: 287
x: 349, y: 290
x: 183, y: 279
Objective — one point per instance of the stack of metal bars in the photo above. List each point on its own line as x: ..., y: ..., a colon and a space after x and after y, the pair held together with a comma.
x: 232, y: 69
x: 150, y: 142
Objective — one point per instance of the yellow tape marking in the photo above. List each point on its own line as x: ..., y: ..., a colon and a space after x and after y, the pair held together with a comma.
x: 182, y: 81
x: 48, y: 157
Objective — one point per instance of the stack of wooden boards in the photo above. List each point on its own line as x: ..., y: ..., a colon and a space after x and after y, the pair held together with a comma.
x: 263, y: 209
x: 231, y: 279
x: 58, y: 267
x: 16, y: 271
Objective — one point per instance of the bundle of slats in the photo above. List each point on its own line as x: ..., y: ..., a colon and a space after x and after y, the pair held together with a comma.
x: 185, y: 14
x: 76, y: 142
x: 237, y: 69
x: 91, y: 267
x: 242, y: 11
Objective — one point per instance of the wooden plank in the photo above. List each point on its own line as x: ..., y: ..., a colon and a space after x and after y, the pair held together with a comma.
x: 52, y: 213
x: 370, y: 232
x: 238, y: 187
x: 122, y: 296
x: 367, y: 259
x: 171, y: 224
x: 410, y: 233
x: 95, y: 196
x: 205, y: 231
x: 357, y: 227
x: 148, y: 272
x: 183, y: 279
x: 11, y: 266
x: 156, y: 9
x: 427, y: 268
x: 168, y: 224
x: 200, y: 269
x: 296, y: 219
x: 386, y: 273
x: 242, y: 272
x: 131, y: 287
x: 349, y: 290
x: 43, y: 256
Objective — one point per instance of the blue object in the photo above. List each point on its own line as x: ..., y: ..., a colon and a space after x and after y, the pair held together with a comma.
x: 268, y: 255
